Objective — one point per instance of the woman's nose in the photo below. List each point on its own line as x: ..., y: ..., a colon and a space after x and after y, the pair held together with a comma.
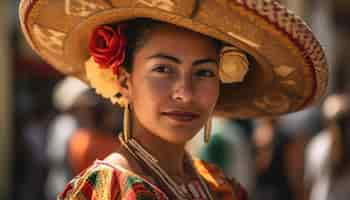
x: 183, y: 90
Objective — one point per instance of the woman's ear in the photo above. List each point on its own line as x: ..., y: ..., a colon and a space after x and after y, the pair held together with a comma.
x: 124, y: 83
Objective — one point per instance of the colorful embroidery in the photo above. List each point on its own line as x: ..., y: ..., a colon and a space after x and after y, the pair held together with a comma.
x: 103, y: 181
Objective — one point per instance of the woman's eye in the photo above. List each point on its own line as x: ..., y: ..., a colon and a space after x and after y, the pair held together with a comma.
x: 162, y: 69
x: 205, y: 73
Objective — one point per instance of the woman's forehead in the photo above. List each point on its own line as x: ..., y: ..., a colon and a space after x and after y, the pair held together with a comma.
x: 173, y: 40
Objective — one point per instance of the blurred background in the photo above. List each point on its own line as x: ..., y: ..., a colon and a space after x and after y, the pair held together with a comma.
x: 305, y: 155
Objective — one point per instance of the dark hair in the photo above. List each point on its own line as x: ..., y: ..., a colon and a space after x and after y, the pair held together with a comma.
x: 137, y: 33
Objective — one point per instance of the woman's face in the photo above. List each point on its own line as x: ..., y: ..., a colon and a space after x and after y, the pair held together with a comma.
x: 174, y: 85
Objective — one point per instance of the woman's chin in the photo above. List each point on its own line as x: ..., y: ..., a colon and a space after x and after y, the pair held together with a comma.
x: 179, y: 136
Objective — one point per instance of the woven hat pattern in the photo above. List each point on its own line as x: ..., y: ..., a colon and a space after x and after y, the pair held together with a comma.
x: 288, y: 67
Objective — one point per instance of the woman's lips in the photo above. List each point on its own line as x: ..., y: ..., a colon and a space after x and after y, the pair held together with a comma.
x: 181, y: 116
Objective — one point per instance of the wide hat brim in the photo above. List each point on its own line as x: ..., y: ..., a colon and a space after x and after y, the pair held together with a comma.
x: 288, y: 69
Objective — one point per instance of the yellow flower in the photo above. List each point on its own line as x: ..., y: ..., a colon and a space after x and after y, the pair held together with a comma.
x: 104, y: 81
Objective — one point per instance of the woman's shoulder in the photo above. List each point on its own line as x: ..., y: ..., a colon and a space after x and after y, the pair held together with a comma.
x: 219, y: 183
x: 93, y: 182
x: 109, y: 179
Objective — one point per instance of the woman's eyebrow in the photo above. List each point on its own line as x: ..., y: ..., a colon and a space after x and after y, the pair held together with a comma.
x: 205, y: 60
x: 178, y: 61
x: 165, y: 56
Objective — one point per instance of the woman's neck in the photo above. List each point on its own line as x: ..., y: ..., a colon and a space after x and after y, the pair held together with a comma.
x: 170, y: 156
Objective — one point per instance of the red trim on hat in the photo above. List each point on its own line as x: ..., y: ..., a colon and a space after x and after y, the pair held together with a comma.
x: 296, y: 43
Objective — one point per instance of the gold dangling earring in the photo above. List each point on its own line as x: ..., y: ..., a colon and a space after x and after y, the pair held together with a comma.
x: 207, y: 131
x: 126, y: 124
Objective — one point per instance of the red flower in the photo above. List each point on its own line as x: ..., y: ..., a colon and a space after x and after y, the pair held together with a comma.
x: 107, y: 47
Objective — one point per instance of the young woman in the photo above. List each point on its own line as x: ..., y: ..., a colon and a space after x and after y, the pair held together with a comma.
x: 172, y: 65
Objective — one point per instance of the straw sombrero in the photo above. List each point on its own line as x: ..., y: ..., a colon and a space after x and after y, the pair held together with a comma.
x: 287, y: 72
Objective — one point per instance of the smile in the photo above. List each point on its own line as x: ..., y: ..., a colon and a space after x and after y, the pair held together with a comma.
x: 181, y: 116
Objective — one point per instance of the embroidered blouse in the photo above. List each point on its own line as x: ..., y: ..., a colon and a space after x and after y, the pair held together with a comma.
x: 104, y: 181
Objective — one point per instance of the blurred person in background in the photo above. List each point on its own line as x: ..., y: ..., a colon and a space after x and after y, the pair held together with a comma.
x: 88, y: 144
x: 270, y: 144
x: 328, y: 154
x: 295, y: 163
x: 72, y: 100
x: 299, y: 128
x: 35, y: 165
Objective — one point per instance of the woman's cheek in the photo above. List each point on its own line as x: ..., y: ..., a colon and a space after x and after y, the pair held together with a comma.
x: 159, y: 87
x: 208, y: 93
